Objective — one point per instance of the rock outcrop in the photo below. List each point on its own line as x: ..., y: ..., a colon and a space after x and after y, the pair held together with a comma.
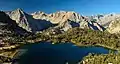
x: 63, y: 16
x: 114, y: 26
x: 66, y: 20
x: 40, y: 15
x: 105, y: 20
x: 109, y: 21
x: 20, y: 18
x: 62, y: 20
x: 8, y: 25
x: 27, y: 21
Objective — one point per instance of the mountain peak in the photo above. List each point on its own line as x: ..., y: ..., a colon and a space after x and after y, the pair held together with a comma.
x: 39, y: 12
x: 64, y: 20
x: 65, y: 11
x: 19, y: 9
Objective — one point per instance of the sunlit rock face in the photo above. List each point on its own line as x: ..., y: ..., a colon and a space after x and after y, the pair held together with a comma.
x: 58, y: 17
x: 110, y: 21
x: 20, y: 17
x: 67, y: 20
x: 63, y: 20
x: 9, y: 26
x: 27, y: 21
x: 63, y: 16
x: 105, y: 20
x: 95, y: 26
x: 114, y: 26
x: 40, y: 15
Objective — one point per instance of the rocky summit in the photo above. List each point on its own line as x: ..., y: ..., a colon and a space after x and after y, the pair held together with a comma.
x: 114, y: 26
x: 63, y: 20
x: 68, y: 19
x: 8, y: 25
x: 27, y: 22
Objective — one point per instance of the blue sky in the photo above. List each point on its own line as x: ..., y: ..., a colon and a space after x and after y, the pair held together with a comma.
x: 85, y: 7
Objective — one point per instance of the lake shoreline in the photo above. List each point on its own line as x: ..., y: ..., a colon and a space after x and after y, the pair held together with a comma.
x: 76, y: 44
x: 36, y: 45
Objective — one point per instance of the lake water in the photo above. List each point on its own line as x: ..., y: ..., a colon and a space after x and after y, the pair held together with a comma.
x: 46, y: 53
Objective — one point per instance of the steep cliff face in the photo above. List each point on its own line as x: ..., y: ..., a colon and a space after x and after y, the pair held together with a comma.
x: 57, y: 17
x: 66, y: 20
x: 63, y: 16
x: 95, y: 26
x: 63, y: 20
x: 114, y: 26
x: 40, y: 15
x: 109, y: 21
x: 27, y: 21
x: 105, y: 20
x: 20, y: 17
x: 9, y: 26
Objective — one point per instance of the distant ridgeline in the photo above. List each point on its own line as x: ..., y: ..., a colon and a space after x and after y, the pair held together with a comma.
x: 63, y: 20
x: 39, y: 21
x: 18, y: 27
